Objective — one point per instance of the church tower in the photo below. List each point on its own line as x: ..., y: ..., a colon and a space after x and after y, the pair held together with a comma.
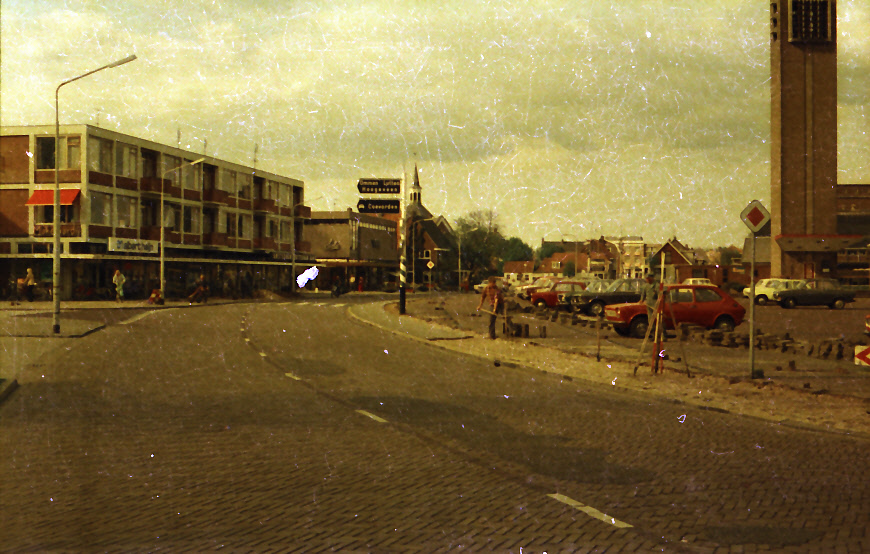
x: 803, y: 138
x: 416, y: 190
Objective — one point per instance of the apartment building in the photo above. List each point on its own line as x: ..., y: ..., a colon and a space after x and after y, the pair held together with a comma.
x: 236, y: 224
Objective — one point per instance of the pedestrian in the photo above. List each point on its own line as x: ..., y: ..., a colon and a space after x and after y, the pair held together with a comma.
x: 649, y: 295
x: 200, y: 293
x: 360, y: 282
x: 29, y: 285
x: 119, y: 281
x: 493, y: 297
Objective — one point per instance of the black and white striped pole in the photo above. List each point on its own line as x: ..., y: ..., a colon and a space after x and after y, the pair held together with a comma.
x: 402, y: 233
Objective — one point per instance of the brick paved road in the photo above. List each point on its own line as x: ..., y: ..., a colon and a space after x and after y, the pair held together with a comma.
x: 137, y: 439
x: 182, y: 432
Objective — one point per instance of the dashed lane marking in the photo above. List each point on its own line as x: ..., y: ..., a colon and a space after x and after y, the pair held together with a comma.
x: 294, y: 377
x: 590, y: 511
x: 371, y: 415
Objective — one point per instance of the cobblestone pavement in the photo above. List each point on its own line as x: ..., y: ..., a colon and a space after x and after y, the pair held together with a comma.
x: 173, y: 434
x: 287, y: 428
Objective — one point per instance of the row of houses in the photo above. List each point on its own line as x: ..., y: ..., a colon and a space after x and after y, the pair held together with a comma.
x: 627, y: 257
x: 241, y: 227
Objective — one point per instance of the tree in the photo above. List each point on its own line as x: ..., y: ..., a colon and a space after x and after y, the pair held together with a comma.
x: 547, y: 250
x: 569, y: 270
x: 484, y: 248
x: 515, y: 250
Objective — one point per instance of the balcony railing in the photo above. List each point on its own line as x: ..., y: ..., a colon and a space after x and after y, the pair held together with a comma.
x: 66, y: 230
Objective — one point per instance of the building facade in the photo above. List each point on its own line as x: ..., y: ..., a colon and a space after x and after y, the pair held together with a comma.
x: 350, y: 247
x: 241, y: 227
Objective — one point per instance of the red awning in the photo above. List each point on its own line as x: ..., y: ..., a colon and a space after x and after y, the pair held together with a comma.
x: 46, y: 197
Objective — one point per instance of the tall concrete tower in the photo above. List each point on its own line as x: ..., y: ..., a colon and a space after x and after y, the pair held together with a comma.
x: 803, y: 52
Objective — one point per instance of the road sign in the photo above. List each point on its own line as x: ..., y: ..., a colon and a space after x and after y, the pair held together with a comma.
x: 862, y: 355
x: 430, y: 265
x: 379, y: 186
x: 755, y: 216
x: 377, y: 206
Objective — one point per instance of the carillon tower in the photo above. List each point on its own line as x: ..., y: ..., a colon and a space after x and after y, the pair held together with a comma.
x: 804, y: 138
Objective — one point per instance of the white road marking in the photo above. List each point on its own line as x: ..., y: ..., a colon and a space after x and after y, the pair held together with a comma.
x: 589, y: 510
x: 290, y: 375
x: 371, y: 415
x: 136, y: 318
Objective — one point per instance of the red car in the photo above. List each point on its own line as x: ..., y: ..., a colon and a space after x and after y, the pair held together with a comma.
x: 704, y: 305
x: 550, y: 296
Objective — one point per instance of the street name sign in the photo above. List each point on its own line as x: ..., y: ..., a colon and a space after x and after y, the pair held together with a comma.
x: 755, y: 216
x: 377, y: 206
x: 379, y: 186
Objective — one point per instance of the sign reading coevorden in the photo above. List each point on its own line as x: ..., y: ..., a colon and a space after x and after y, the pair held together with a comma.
x: 379, y: 186
x: 376, y: 206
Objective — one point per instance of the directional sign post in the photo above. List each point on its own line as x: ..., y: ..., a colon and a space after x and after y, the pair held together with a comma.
x: 379, y: 186
x: 377, y: 206
x: 755, y: 216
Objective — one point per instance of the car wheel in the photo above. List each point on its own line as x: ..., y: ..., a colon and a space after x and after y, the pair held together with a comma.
x: 789, y: 303
x: 724, y: 324
x: 638, y: 327
x: 838, y: 304
x: 540, y: 303
x: 596, y: 309
x: 761, y: 300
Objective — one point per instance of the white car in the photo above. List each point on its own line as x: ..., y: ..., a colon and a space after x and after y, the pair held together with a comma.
x: 765, y: 289
x: 697, y: 281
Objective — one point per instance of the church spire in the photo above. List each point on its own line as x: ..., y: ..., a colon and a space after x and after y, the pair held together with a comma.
x: 416, y: 191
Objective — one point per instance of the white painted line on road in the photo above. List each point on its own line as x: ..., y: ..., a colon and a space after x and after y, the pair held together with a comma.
x: 371, y: 415
x: 290, y: 375
x: 263, y: 354
x: 136, y: 318
x: 589, y: 510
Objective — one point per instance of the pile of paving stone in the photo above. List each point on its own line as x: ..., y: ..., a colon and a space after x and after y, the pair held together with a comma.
x: 834, y: 349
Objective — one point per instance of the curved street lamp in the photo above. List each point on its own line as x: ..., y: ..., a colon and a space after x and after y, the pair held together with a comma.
x: 55, y: 274
x: 162, y: 226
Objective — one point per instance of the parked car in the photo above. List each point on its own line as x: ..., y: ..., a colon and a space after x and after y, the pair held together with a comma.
x: 815, y: 292
x: 550, y: 297
x: 525, y: 291
x: 697, y: 281
x: 619, y: 291
x: 765, y: 289
x: 499, y: 282
x: 705, y: 305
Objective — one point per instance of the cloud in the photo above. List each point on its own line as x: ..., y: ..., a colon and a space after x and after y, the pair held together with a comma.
x: 571, y: 113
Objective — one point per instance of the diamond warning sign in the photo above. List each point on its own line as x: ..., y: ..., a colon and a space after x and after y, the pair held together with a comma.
x: 755, y: 216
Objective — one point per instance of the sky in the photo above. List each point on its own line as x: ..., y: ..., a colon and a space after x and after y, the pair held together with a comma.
x: 570, y: 119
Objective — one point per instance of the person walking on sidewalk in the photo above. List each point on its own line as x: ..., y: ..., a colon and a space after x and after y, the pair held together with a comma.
x: 200, y: 293
x: 119, y: 281
x: 493, y: 297
x: 29, y: 285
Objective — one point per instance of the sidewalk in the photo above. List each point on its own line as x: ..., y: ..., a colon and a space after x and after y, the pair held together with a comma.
x: 728, y: 389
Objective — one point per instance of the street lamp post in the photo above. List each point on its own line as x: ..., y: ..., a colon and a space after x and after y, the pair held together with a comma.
x: 55, y: 273
x: 162, y: 223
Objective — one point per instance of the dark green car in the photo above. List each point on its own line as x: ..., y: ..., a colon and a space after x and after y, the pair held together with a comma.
x: 815, y: 292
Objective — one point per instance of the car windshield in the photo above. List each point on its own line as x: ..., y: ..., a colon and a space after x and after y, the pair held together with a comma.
x: 614, y: 285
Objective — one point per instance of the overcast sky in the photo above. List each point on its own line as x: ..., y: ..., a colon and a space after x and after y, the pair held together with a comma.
x: 571, y: 118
